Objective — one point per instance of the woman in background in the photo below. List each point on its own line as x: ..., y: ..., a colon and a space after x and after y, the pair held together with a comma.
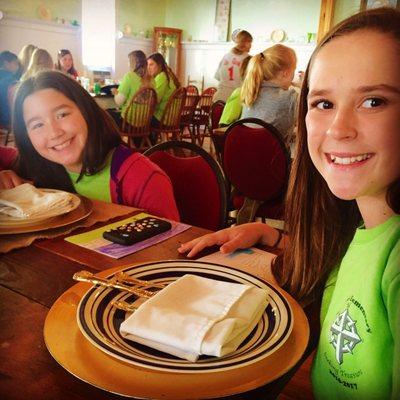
x: 25, y: 56
x: 40, y: 60
x: 164, y: 81
x: 132, y: 81
x: 265, y: 91
x: 228, y: 72
x: 65, y: 63
x: 67, y: 142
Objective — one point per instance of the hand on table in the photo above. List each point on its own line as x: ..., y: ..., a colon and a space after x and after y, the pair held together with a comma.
x: 231, y: 239
x: 9, y: 179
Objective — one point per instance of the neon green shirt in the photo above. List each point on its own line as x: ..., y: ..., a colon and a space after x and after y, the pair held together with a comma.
x: 95, y: 186
x: 233, y: 108
x: 358, y: 355
x: 130, y: 84
x: 164, y: 91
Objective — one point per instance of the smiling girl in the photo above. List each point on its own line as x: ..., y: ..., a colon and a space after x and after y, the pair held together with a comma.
x: 342, y: 212
x: 66, y: 141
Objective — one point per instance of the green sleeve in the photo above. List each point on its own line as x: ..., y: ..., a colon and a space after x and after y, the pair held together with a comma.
x: 160, y: 85
x: 233, y: 108
x: 391, y: 296
x: 124, y: 86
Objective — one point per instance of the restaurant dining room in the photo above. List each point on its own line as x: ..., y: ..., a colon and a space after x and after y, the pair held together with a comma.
x: 199, y: 199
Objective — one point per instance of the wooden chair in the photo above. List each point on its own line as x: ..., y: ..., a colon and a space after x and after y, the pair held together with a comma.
x: 198, y: 83
x: 171, y: 118
x: 187, y: 114
x: 198, y: 182
x: 218, y: 140
x: 256, y: 163
x: 202, y: 114
x: 136, y: 119
x: 191, y: 90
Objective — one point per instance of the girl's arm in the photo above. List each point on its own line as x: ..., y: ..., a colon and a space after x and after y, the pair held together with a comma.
x: 122, y: 93
x: 160, y: 85
x: 238, y: 237
x: 9, y: 179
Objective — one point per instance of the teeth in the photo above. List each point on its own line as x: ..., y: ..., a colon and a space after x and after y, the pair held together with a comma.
x: 62, y: 146
x: 349, y: 160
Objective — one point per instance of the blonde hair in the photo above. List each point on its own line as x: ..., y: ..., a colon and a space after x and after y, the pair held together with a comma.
x: 241, y: 38
x: 40, y: 60
x: 265, y: 66
x: 25, y: 55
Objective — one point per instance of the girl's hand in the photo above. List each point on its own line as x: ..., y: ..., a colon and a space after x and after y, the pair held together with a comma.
x: 9, y: 179
x: 231, y: 239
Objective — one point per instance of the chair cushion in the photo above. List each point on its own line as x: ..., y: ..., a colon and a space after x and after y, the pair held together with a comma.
x: 255, y: 163
x: 195, y: 187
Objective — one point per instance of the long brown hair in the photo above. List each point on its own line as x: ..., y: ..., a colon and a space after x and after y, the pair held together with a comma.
x: 240, y: 39
x: 138, y: 64
x: 159, y: 59
x: 61, y: 53
x: 102, y: 132
x: 320, y: 226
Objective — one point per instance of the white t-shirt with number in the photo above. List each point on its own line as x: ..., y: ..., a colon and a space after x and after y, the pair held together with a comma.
x: 228, y: 75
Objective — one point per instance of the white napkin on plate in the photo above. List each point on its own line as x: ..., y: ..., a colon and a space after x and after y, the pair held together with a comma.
x: 196, y: 315
x: 26, y: 201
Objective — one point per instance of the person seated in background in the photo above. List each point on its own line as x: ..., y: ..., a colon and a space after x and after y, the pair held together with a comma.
x: 265, y: 91
x: 164, y: 81
x: 228, y: 72
x: 67, y: 142
x: 25, y: 57
x: 9, y: 70
x: 131, y: 82
x: 65, y: 63
x: 40, y: 60
x: 233, y: 107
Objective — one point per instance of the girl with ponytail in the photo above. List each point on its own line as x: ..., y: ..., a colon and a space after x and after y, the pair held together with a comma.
x: 265, y: 91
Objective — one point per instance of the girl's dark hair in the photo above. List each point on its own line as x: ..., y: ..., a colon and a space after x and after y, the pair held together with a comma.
x: 103, y: 134
x: 160, y: 60
x: 321, y: 226
x: 61, y: 53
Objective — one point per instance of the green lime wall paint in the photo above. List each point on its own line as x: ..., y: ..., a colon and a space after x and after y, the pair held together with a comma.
x: 344, y: 9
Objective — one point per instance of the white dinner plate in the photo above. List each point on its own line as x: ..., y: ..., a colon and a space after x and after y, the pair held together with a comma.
x: 99, y: 321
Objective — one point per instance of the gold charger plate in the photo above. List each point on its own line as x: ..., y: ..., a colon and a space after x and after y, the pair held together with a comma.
x: 77, y: 355
x: 84, y: 209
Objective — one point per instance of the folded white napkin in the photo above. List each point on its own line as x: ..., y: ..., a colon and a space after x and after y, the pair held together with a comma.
x: 196, y: 315
x: 26, y: 201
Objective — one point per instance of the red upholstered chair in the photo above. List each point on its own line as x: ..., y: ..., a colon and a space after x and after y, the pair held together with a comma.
x: 218, y: 141
x: 198, y: 182
x: 256, y: 163
x: 191, y: 90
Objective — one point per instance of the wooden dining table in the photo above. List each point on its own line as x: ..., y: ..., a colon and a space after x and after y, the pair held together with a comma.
x: 31, y: 280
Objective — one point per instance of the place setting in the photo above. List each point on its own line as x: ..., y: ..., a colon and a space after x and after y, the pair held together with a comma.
x: 161, y: 329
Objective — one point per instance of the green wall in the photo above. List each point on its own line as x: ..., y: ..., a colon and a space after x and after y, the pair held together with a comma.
x: 344, y: 9
x: 69, y: 10
x: 141, y: 15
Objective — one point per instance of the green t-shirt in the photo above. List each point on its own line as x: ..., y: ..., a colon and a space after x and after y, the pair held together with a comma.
x: 164, y: 91
x: 130, y: 84
x: 95, y: 186
x: 358, y: 354
x: 233, y: 108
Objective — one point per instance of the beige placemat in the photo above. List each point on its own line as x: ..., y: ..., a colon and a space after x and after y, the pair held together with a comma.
x: 101, y: 212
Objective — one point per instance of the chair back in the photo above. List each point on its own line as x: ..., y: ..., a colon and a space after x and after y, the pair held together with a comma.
x: 188, y: 109
x: 210, y: 91
x: 198, y: 182
x: 217, y: 109
x: 198, y: 83
x: 170, y: 121
x: 256, y: 161
x: 136, y: 118
x: 191, y: 90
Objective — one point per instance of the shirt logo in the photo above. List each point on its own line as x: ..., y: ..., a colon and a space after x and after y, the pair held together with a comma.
x: 344, y: 335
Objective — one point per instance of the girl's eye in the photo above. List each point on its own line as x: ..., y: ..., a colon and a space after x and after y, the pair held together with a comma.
x: 322, y: 104
x: 62, y: 114
x: 373, y: 102
x: 37, y: 125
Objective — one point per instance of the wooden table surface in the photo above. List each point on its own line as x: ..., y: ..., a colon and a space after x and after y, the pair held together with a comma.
x: 31, y: 279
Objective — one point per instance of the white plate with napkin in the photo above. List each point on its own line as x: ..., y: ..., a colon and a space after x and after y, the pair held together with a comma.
x: 196, y: 316
x: 27, y: 204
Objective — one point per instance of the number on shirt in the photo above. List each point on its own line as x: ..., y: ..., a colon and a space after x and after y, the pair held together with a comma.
x: 230, y: 70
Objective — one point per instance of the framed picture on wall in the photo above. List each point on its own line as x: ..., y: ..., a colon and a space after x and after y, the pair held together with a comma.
x: 222, y: 15
x: 368, y: 4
